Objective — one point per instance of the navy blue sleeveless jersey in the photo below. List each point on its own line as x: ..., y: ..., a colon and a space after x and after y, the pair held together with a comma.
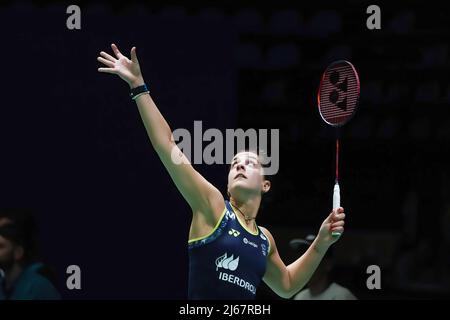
x: 229, y: 263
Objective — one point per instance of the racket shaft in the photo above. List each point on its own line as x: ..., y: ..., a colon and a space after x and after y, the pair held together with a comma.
x: 336, y: 204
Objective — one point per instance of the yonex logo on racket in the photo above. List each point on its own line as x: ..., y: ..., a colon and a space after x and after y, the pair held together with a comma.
x: 338, y: 93
x: 340, y: 86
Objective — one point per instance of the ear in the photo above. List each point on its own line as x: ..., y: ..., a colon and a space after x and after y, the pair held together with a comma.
x: 266, y: 186
x: 18, y: 253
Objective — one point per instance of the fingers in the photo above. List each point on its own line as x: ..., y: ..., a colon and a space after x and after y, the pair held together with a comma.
x: 339, y: 210
x: 107, y: 56
x: 116, y: 51
x: 108, y: 63
x: 337, y: 224
x: 107, y: 70
x: 133, y: 55
x: 338, y: 229
x: 336, y: 215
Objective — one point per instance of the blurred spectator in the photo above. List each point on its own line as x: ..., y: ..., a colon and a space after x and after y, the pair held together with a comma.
x: 22, y: 277
x: 419, y: 269
x: 321, y: 286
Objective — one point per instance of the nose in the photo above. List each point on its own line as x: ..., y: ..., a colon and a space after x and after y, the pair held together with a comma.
x: 240, y: 166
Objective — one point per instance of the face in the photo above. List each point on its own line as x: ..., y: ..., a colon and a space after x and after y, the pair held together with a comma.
x: 6, y: 254
x: 9, y: 253
x: 4, y: 221
x: 246, y: 176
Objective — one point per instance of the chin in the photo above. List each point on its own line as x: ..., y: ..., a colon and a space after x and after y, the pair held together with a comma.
x: 242, y: 187
x: 241, y: 184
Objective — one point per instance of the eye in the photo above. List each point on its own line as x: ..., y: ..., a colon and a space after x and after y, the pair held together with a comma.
x: 250, y: 163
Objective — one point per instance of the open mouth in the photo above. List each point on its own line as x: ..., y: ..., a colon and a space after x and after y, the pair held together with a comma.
x: 240, y: 175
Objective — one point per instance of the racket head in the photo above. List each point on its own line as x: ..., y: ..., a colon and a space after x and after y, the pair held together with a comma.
x: 338, y: 95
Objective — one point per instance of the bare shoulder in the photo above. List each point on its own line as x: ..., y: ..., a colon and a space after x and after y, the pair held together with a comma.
x: 266, y: 232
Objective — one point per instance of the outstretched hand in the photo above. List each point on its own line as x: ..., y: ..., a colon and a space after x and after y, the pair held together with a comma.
x: 128, y: 70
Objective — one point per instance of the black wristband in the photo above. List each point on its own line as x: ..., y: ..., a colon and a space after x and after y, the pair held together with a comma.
x: 135, y: 91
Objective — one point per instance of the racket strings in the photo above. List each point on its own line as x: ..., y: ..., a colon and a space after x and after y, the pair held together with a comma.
x: 338, y: 93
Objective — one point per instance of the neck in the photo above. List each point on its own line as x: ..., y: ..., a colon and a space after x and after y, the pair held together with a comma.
x: 248, y: 208
x: 12, y: 274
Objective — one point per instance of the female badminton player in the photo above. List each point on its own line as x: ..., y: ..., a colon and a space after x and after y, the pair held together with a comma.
x: 229, y: 254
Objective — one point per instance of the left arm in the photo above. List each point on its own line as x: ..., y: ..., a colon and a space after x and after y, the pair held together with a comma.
x: 288, y: 280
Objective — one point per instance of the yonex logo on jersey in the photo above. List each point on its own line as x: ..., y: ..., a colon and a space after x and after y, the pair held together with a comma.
x: 263, y: 236
x: 234, y: 233
x: 229, y: 263
x: 246, y: 241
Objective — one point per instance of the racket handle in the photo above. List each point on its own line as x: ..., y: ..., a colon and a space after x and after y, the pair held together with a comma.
x: 336, y: 204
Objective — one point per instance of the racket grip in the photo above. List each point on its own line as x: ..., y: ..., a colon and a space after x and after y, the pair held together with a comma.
x: 336, y: 204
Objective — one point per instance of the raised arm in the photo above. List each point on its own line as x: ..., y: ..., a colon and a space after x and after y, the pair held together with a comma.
x: 288, y: 280
x: 201, y: 195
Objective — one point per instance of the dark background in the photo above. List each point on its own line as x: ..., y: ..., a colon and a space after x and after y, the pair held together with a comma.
x: 74, y: 150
